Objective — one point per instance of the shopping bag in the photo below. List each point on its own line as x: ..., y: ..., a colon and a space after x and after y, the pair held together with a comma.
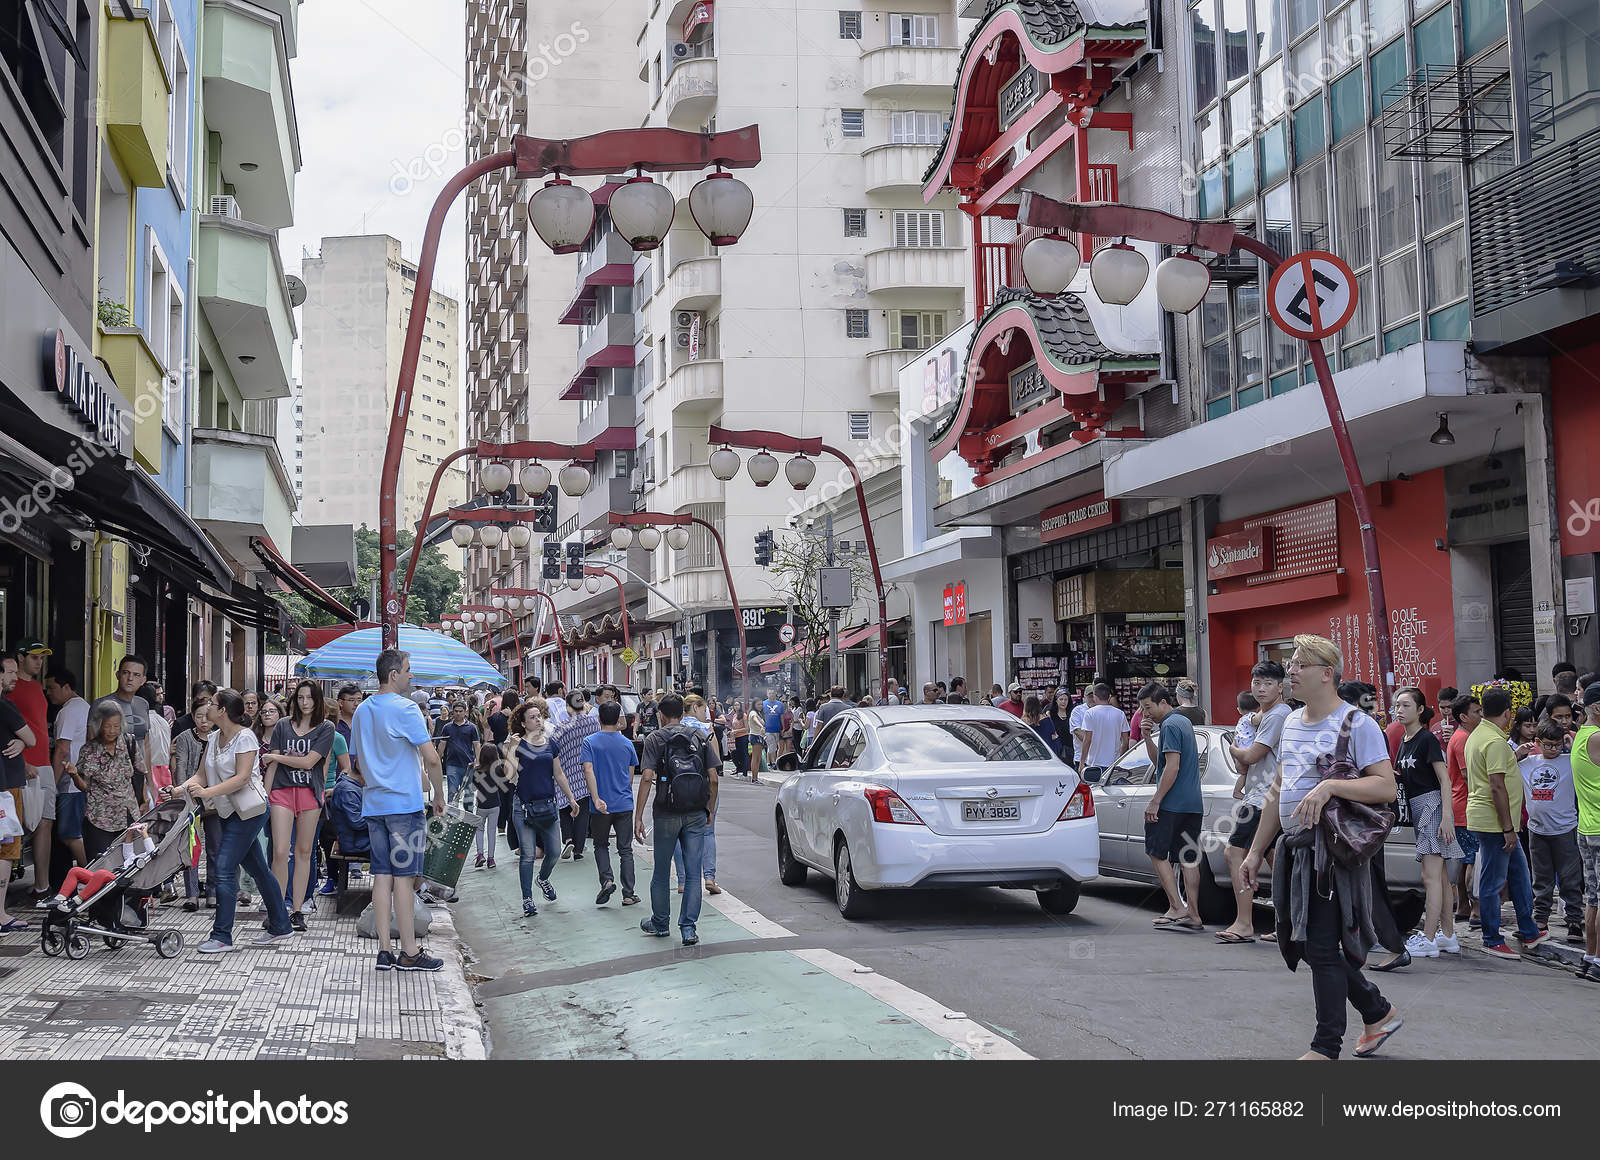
x: 33, y: 802
x: 10, y: 823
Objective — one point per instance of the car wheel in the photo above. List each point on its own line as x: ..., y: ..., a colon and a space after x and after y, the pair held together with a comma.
x: 1407, y: 910
x: 791, y: 871
x: 847, y: 893
x: 1062, y: 900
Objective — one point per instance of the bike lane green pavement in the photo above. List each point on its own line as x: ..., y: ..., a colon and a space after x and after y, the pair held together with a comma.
x: 581, y: 981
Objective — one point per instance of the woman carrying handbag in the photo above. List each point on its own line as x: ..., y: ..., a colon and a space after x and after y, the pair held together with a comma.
x: 229, y: 781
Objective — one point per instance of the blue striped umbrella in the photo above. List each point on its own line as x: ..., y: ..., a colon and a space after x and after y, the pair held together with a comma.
x: 435, y: 659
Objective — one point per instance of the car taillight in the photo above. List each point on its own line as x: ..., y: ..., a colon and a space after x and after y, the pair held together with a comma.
x: 1079, y: 805
x: 887, y: 806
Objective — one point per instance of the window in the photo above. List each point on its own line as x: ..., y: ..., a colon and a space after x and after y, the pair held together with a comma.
x: 1310, y: 137
x: 1436, y: 40
x: 1388, y: 70
x: 178, y: 124
x: 860, y: 425
x: 1483, y: 24
x: 1396, y: 224
x: 853, y: 122
x: 915, y: 329
x: 918, y: 229
x: 920, y: 744
x: 849, y: 26
x: 915, y: 128
x: 1236, y: 52
x: 1269, y: 31
x: 157, y: 296
x: 920, y: 30
x: 1351, y: 203
x: 177, y: 355
x: 1203, y: 33
x: 855, y: 223
x: 1348, y: 110
x: 852, y: 744
x: 855, y: 323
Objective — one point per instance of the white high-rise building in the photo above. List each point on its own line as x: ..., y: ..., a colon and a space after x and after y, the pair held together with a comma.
x: 359, y: 292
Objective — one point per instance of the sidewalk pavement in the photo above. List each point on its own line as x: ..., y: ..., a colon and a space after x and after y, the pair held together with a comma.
x: 316, y: 996
x: 1555, y: 951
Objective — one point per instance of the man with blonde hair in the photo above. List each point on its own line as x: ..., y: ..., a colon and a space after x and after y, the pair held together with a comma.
x: 1333, y: 933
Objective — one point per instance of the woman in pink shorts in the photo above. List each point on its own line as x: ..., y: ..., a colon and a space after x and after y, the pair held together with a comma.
x: 293, y: 765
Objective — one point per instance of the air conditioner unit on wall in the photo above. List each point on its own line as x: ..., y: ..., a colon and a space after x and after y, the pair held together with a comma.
x: 684, y: 324
x: 679, y: 51
x: 223, y: 205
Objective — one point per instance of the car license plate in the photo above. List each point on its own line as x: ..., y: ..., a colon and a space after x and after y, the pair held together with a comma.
x: 997, y: 811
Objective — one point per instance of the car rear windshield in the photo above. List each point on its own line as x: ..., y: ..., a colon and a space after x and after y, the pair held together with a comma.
x: 924, y: 743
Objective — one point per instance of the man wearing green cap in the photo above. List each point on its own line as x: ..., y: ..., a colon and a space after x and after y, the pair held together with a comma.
x: 40, y: 791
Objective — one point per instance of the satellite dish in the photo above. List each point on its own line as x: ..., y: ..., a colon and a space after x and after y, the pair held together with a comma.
x: 296, y: 288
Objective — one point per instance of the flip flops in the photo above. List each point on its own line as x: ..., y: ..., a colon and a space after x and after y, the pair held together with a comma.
x: 1183, y: 926
x: 1228, y: 938
x: 1368, y: 1045
x: 12, y: 927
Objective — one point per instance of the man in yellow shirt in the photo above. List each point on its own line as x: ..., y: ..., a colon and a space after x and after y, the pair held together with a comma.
x: 1494, y: 814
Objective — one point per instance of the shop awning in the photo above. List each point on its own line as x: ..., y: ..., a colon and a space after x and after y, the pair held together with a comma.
x: 295, y: 579
x: 121, y: 498
x: 848, y: 638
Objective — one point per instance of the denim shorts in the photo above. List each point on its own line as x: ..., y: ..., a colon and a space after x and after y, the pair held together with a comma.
x: 69, y: 814
x: 1468, y: 841
x: 398, y: 842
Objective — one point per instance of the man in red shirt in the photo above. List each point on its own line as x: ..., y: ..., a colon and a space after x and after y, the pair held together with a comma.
x: 29, y: 698
x: 1013, y: 702
x: 1467, y: 713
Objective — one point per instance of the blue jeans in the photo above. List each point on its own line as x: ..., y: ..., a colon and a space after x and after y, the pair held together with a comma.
x: 708, y: 857
x: 454, y: 775
x: 673, y: 831
x: 240, y: 845
x: 543, y: 831
x: 1497, y: 868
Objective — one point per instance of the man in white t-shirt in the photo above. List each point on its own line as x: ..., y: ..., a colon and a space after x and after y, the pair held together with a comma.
x: 1319, y: 931
x: 1106, y: 728
x: 72, y: 723
x: 1075, y: 724
x: 1255, y: 753
x: 555, y: 699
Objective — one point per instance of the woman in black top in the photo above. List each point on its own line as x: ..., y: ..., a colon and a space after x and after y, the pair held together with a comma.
x: 1424, y: 799
x: 294, y: 765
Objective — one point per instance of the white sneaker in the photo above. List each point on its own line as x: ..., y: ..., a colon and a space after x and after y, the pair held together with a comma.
x: 1448, y: 944
x: 309, y: 906
x: 1422, y: 947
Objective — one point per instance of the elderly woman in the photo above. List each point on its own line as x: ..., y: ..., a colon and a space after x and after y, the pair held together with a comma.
x: 187, y: 752
x: 105, y: 772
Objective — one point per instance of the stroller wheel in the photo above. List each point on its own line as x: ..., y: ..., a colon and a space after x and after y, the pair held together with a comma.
x: 170, y: 944
x: 113, y: 944
x: 77, y: 946
x: 52, y: 942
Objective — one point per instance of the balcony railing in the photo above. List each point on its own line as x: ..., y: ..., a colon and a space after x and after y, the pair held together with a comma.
x: 1537, y: 227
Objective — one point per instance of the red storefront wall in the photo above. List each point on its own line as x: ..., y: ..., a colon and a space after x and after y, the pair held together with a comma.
x: 1408, y: 516
x: 1574, y: 384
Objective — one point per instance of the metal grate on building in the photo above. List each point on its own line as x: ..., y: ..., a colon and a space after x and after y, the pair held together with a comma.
x: 1129, y: 539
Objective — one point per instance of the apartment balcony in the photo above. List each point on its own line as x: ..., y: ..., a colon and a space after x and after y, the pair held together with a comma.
x: 694, y: 483
x: 250, y: 104
x: 241, y: 490
x: 246, y: 303
x: 137, y: 92
x: 604, y: 497
x: 695, y: 284
x: 699, y: 587
x: 901, y: 72
x: 918, y: 276
x: 608, y: 344
x: 608, y: 264
x: 288, y: 11
x: 610, y: 424
x: 883, y: 372
x: 695, y: 389
x: 891, y: 169
x: 143, y: 383
x: 690, y: 93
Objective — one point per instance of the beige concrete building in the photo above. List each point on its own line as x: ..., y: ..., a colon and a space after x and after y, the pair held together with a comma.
x: 358, y: 305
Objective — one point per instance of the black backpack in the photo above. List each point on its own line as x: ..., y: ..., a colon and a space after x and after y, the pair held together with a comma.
x: 688, y: 786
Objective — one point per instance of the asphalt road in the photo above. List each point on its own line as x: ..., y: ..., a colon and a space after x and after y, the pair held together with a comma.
x: 1103, y: 983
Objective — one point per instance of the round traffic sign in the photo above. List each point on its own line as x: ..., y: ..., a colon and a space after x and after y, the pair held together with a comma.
x: 1312, y: 295
x: 786, y: 634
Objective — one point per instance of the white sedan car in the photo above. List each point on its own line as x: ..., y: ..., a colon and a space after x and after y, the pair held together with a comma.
x: 930, y: 796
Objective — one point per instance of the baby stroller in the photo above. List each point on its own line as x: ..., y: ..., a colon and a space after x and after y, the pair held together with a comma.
x: 118, y: 911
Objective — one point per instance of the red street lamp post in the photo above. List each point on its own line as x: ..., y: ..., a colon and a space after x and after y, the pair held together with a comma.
x: 527, y: 596
x: 1108, y: 219
x: 805, y: 450
x: 678, y: 538
x: 563, y: 221
x: 534, y: 450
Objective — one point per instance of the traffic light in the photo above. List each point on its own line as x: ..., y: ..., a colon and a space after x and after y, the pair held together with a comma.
x: 552, y: 561
x: 575, y: 561
x: 764, y: 547
x: 544, y: 506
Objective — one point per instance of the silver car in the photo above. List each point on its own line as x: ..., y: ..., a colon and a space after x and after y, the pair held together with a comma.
x: 1126, y: 788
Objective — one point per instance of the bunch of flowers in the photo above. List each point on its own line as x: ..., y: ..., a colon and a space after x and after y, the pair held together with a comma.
x: 1521, y: 693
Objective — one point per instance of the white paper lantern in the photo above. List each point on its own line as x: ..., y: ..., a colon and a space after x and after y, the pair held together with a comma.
x: 574, y: 479
x: 724, y: 463
x: 498, y: 601
x: 535, y: 480
x: 622, y: 538
x: 562, y: 215
x: 721, y: 205
x: 520, y: 535
x: 490, y: 534
x: 1181, y: 283
x: 642, y: 211
x: 495, y: 477
x: 1049, y: 264
x: 763, y: 467
x: 650, y: 538
x: 678, y: 537
x: 593, y: 584
x: 462, y: 535
x: 800, y: 471
x: 1119, y: 273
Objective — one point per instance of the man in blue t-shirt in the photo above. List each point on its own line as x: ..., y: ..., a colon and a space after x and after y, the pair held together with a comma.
x: 772, y: 722
x: 459, y: 739
x: 609, y: 759
x: 389, y: 736
x: 1173, y: 816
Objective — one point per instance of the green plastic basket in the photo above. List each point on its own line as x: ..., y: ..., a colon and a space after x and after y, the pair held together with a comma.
x: 450, y: 836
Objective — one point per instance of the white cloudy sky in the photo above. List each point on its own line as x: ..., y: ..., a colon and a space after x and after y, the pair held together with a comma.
x: 379, y: 91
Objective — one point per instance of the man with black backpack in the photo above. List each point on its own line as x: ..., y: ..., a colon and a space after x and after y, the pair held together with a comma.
x: 677, y: 763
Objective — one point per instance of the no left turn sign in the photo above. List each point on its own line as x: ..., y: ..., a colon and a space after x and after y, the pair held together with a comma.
x: 1312, y: 295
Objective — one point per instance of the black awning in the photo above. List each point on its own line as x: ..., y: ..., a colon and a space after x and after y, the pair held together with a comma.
x: 119, y: 497
x: 246, y: 607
